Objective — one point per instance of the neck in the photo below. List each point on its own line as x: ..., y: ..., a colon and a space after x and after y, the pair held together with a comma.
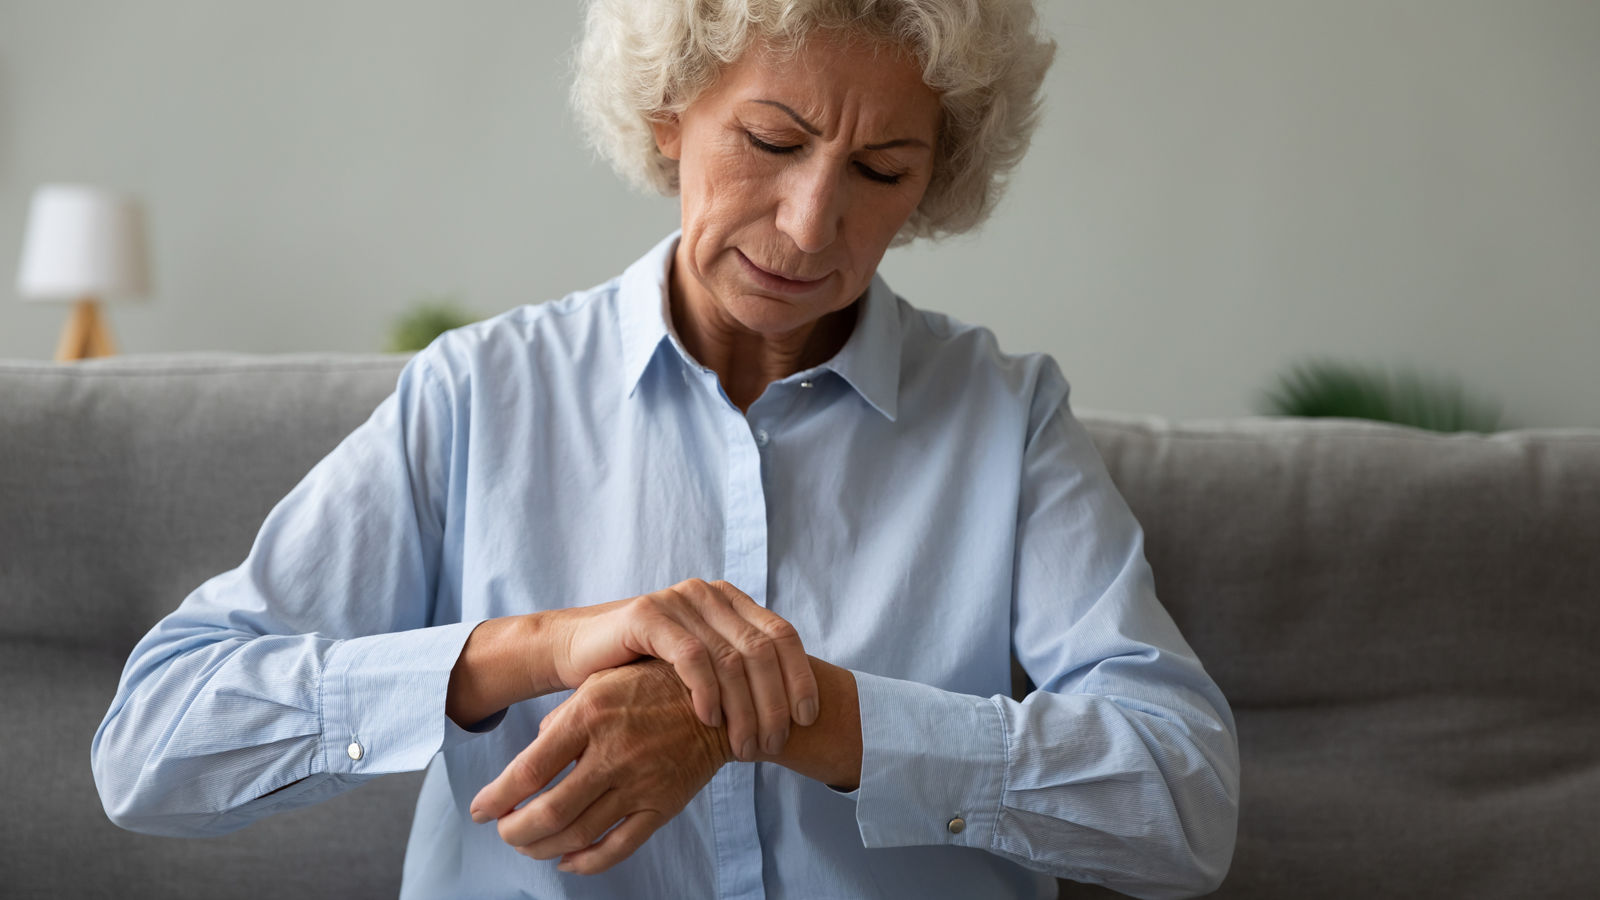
x: 747, y: 361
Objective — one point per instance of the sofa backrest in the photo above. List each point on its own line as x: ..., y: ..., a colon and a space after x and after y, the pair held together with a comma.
x: 124, y: 484
x: 1407, y: 626
x: 1404, y: 623
x: 143, y: 476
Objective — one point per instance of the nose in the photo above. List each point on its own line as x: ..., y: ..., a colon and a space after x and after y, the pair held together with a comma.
x: 812, y: 205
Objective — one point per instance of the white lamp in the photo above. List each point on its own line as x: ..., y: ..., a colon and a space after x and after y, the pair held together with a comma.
x: 83, y: 244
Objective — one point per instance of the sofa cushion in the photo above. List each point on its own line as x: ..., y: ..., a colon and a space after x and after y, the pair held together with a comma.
x: 56, y: 842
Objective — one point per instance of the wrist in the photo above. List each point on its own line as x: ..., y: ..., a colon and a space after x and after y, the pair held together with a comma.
x: 828, y: 750
x: 504, y: 661
x: 544, y: 640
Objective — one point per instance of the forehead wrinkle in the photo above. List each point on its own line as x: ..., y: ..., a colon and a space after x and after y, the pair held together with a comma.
x: 817, y: 115
x: 815, y: 131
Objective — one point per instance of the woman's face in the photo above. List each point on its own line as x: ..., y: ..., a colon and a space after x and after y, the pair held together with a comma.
x: 796, y: 172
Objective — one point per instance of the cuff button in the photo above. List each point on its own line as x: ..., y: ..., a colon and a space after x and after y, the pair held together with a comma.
x: 355, y: 751
x: 956, y: 825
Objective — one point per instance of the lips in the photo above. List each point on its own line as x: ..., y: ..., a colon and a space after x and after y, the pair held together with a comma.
x: 778, y: 280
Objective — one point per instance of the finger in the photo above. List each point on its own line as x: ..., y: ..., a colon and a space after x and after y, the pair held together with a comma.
x: 617, y: 845
x: 532, y: 769
x: 699, y: 610
x: 553, y: 811
x: 784, y: 688
x: 583, y: 831
x: 769, y: 695
x: 664, y: 637
x: 799, y: 681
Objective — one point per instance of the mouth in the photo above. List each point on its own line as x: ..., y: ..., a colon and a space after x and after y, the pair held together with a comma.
x: 778, y: 281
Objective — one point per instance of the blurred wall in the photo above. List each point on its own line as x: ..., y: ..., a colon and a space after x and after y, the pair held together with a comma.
x: 1219, y: 188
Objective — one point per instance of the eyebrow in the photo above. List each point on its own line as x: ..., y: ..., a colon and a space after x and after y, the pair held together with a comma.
x: 817, y: 132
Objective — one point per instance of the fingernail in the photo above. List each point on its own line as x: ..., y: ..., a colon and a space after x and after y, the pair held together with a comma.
x: 565, y: 865
x: 747, y: 750
x: 775, y: 742
x: 808, y: 711
x: 479, y: 816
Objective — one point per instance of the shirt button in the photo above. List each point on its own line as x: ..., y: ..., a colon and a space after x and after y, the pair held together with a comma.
x: 762, y: 438
x: 956, y: 825
x: 355, y: 751
x: 807, y: 383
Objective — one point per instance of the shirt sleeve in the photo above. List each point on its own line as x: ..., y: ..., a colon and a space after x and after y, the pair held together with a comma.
x: 311, y: 667
x: 1122, y: 768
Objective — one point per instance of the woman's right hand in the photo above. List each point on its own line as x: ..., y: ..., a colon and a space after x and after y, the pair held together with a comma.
x: 739, y: 660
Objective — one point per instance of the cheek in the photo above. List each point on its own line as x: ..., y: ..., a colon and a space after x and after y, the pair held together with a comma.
x: 724, y: 191
x: 875, y: 223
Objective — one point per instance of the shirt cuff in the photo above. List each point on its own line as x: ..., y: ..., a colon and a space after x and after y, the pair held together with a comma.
x: 933, y: 765
x: 383, y: 700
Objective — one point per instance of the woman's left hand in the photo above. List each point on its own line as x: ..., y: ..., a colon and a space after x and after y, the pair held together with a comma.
x: 641, y: 755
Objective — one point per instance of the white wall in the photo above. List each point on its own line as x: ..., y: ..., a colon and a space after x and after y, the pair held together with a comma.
x: 1219, y: 188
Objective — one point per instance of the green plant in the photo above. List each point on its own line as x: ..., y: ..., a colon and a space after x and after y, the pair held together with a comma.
x: 1328, y: 388
x: 425, y: 320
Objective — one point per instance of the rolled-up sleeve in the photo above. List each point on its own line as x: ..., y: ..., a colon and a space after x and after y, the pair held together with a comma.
x: 311, y: 667
x: 1122, y: 767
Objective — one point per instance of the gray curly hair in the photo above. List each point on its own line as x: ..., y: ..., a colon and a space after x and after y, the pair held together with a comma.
x: 641, y: 60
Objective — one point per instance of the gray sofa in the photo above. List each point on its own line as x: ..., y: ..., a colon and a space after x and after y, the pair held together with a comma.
x: 1407, y: 625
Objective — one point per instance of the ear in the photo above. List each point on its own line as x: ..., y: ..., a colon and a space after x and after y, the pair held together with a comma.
x: 668, y: 131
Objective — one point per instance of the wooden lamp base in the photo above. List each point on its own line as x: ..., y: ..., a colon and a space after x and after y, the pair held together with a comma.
x: 86, y: 334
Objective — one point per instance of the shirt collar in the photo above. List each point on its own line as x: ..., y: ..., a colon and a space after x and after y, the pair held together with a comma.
x: 869, y: 361
x: 643, y: 311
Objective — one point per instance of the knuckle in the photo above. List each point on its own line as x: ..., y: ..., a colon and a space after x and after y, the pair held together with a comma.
x: 545, y: 818
x: 510, y: 833
x: 691, y: 652
x: 582, y: 835
x: 778, y: 629
x: 524, y: 771
x: 688, y: 644
x: 652, y: 607
x: 728, y: 659
x: 588, y: 709
x: 756, y: 643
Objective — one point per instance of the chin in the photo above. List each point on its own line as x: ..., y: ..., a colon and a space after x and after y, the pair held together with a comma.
x: 771, y: 316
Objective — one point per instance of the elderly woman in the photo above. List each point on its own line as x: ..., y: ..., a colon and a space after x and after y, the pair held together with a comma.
x: 776, y: 530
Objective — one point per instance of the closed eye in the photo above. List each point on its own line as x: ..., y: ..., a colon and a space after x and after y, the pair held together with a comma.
x: 765, y: 147
x: 867, y: 171
x: 874, y: 175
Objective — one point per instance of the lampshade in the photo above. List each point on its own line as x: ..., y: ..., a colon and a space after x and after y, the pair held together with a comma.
x: 83, y: 242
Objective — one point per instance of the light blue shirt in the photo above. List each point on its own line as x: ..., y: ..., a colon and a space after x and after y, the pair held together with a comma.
x: 919, y: 508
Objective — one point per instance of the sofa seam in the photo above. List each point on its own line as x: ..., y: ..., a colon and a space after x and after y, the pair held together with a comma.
x: 1564, y: 434
x: 208, y: 369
